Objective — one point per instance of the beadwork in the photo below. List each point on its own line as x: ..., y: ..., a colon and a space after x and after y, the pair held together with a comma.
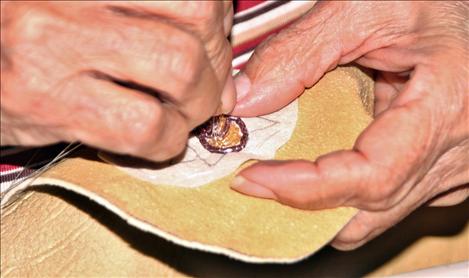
x: 223, y: 134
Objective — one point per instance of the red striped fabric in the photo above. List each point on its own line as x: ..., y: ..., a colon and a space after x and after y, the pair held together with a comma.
x: 244, y: 5
x: 7, y: 167
x: 250, y: 45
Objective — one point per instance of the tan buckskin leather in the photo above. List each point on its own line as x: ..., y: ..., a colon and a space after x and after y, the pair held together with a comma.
x: 43, y: 235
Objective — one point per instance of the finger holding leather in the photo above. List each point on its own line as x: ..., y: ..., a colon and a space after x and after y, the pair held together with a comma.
x: 117, y: 119
x: 165, y: 61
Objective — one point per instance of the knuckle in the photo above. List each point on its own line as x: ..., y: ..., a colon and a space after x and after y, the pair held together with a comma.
x: 268, y: 47
x: 378, y: 191
x: 281, y: 50
x: 286, y: 42
x: 171, y: 148
x: 203, y: 10
x: 360, y: 228
x: 220, y: 55
x: 297, y: 199
x: 153, y: 138
x: 178, y: 145
x: 29, y: 24
x: 188, y: 59
x: 382, y: 195
x: 383, y: 192
x: 353, y: 236
x: 145, y: 130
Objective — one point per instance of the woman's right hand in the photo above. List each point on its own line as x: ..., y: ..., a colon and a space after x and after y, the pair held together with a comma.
x: 129, y: 77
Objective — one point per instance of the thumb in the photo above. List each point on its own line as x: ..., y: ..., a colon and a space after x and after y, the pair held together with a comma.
x: 283, y: 65
x: 331, y: 33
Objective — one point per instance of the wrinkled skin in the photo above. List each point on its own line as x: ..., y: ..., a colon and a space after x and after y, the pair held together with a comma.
x: 416, y: 151
x: 60, y: 61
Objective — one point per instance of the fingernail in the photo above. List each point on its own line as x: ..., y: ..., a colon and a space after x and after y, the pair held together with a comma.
x: 242, y: 84
x: 228, y: 96
x: 219, y: 110
x: 247, y: 187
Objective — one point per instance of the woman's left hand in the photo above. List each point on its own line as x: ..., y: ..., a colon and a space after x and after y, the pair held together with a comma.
x: 414, y: 152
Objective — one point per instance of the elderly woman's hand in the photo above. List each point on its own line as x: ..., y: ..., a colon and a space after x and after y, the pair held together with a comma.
x: 417, y: 148
x: 129, y: 77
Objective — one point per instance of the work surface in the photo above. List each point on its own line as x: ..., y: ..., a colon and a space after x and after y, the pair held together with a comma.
x: 430, y: 236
